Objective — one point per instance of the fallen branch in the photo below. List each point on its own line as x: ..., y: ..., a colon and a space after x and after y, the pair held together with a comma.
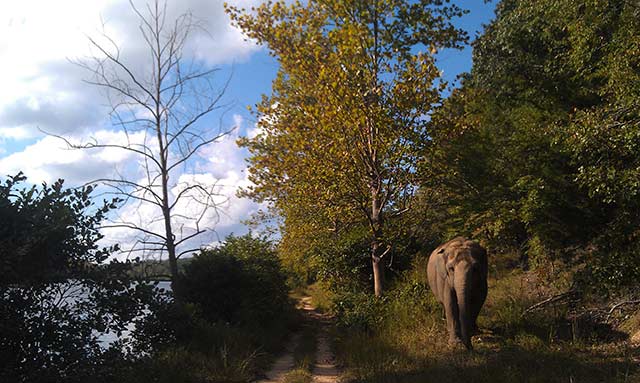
x: 620, y: 304
x: 551, y: 300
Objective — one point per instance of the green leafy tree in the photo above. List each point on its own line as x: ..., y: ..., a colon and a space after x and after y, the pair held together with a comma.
x: 536, y: 153
x: 603, y: 140
x: 348, y: 108
x: 57, y: 295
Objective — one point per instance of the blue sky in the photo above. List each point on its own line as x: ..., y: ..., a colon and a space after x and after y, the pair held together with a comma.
x: 43, y: 90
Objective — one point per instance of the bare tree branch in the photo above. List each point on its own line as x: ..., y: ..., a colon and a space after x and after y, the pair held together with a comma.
x: 169, y: 104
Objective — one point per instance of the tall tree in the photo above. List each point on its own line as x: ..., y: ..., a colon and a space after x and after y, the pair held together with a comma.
x: 536, y: 153
x: 162, y: 110
x: 349, y: 106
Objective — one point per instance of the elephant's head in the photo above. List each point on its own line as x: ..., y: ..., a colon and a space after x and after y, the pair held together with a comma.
x: 466, y: 271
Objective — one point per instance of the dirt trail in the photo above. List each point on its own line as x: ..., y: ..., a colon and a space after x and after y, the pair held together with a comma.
x: 324, y: 369
x: 283, y: 364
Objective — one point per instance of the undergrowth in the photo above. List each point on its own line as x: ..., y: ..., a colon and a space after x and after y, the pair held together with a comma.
x: 231, y: 316
x: 403, y: 339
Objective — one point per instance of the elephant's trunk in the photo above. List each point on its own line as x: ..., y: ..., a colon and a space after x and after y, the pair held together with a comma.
x: 464, y: 311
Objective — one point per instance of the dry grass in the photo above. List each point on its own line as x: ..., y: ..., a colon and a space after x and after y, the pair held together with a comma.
x: 320, y: 296
x: 299, y: 375
x: 410, y: 345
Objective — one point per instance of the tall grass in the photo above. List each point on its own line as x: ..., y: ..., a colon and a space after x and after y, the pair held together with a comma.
x: 408, y: 342
x: 215, y: 352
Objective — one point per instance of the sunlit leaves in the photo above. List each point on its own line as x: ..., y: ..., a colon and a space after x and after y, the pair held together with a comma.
x: 538, y: 153
x: 348, y: 108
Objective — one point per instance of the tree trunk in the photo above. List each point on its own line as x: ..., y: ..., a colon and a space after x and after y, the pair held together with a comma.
x: 378, y: 269
x: 171, y: 248
x: 376, y: 261
x: 170, y: 241
x: 164, y: 169
x: 166, y: 210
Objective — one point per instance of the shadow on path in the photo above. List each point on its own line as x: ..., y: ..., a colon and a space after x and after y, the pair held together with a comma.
x: 324, y: 369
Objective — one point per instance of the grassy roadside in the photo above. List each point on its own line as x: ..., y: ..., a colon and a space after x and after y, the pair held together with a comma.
x: 406, y: 341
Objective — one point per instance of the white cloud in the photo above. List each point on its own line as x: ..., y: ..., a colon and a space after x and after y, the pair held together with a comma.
x: 15, y: 132
x: 43, y: 90
x: 49, y: 158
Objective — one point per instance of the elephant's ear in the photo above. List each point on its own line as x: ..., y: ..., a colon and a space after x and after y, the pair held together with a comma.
x: 441, y: 262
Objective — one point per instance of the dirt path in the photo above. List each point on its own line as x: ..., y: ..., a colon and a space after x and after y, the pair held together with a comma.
x: 283, y: 364
x: 324, y: 369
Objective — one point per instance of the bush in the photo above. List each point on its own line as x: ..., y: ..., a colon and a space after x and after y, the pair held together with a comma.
x: 58, y: 295
x: 179, y: 364
x: 409, y: 297
x: 240, y: 282
x: 230, y: 313
x: 188, y: 348
x: 358, y: 310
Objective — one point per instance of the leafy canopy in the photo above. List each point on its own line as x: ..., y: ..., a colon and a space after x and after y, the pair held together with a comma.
x: 348, y: 109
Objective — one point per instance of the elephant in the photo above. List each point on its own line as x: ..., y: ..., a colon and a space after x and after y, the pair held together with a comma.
x: 457, y: 274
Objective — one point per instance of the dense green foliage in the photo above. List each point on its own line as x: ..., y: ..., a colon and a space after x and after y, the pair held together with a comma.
x: 536, y: 154
x: 57, y: 295
x: 46, y: 235
x: 240, y: 282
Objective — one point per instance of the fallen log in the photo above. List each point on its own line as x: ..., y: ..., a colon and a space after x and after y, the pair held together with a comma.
x: 551, y: 300
x: 619, y: 305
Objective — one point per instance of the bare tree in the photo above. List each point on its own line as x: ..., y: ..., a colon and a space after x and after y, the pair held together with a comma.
x: 162, y: 110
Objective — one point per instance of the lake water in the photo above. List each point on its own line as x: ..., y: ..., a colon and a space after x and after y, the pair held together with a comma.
x: 108, y: 338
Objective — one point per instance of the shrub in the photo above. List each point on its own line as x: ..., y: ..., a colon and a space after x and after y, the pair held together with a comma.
x: 240, y: 282
x: 231, y: 311
x: 58, y: 295
x: 358, y: 310
x: 408, y: 298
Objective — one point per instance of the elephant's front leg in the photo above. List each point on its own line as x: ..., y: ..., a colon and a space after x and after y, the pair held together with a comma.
x: 451, y: 312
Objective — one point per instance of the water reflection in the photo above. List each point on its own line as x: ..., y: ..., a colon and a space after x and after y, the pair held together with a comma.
x: 108, y: 338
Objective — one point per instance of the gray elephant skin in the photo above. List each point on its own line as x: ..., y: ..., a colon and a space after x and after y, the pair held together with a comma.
x: 457, y: 273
